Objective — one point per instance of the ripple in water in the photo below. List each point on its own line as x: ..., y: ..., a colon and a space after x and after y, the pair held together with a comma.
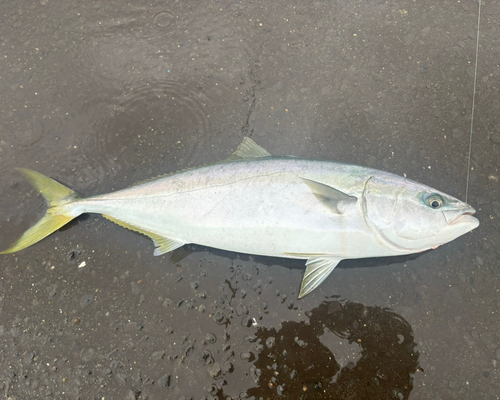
x: 26, y: 134
x: 148, y: 76
x: 139, y: 126
x: 164, y: 20
x: 21, y: 142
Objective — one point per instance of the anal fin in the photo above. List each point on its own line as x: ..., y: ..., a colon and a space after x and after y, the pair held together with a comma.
x: 163, y: 244
x: 317, y: 269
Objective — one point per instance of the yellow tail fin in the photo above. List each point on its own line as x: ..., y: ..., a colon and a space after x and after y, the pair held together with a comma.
x: 56, y: 216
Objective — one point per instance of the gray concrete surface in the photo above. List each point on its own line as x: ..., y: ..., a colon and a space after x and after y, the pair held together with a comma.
x: 100, y: 95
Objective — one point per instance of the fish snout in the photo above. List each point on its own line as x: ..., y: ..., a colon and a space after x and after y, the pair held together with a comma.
x: 461, y: 216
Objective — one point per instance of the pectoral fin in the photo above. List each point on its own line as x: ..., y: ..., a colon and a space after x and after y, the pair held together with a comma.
x: 329, y: 196
x: 317, y: 269
x: 163, y: 244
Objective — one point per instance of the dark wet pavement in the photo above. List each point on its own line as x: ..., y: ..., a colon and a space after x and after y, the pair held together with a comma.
x: 102, y: 95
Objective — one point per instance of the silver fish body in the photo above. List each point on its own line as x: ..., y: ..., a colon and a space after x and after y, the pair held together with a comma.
x: 321, y: 211
x: 256, y: 206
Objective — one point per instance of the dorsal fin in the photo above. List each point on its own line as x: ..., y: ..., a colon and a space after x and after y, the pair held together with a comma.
x: 248, y: 149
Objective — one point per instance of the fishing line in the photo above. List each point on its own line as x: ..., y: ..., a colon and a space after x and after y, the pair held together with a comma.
x: 473, y: 101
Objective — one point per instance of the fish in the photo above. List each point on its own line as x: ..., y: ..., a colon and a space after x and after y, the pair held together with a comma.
x: 255, y: 203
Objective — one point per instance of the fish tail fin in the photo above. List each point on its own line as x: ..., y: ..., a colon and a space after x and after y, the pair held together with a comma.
x: 57, y: 197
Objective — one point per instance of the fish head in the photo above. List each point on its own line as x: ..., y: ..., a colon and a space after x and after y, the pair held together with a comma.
x: 413, y: 217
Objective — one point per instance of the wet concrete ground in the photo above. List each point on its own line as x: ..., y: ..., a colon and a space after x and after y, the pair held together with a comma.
x: 105, y: 94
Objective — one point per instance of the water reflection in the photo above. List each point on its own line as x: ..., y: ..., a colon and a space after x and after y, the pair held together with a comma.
x: 345, y: 350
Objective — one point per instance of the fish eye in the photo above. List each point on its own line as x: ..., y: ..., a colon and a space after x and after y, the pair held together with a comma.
x: 434, y: 201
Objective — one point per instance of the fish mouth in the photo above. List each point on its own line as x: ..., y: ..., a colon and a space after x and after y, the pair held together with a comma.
x: 461, y: 217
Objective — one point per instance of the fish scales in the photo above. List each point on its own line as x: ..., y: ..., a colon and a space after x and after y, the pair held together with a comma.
x: 257, y: 206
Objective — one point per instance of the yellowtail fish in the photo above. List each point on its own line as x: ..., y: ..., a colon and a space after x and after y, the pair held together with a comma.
x: 252, y: 202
